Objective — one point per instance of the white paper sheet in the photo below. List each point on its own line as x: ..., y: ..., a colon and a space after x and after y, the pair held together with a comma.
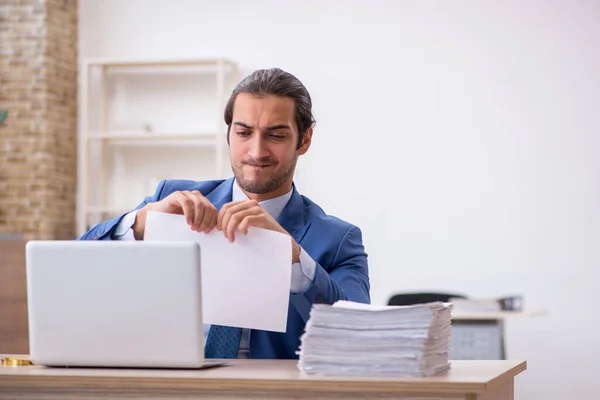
x: 246, y: 283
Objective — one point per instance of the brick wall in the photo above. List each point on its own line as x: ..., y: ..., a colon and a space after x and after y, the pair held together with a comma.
x: 38, y: 140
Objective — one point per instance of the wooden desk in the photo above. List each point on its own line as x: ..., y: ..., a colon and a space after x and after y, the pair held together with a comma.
x: 255, y: 379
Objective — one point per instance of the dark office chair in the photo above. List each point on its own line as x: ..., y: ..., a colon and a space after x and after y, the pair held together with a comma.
x: 408, y: 299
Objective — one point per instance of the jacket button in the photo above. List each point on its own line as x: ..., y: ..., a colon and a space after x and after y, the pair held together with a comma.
x: 319, y: 299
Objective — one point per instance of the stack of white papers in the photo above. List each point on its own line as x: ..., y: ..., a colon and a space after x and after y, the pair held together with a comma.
x: 356, y: 339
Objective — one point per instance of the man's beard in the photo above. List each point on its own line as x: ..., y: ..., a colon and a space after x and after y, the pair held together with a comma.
x: 278, y: 178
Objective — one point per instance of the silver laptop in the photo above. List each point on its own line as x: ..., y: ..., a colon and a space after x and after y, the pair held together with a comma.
x: 115, y: 304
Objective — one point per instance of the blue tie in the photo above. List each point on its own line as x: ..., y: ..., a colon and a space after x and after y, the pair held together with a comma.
x: 222, y: 342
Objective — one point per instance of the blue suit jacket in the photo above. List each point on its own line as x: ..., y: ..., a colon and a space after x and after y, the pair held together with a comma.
x: 335, y: 245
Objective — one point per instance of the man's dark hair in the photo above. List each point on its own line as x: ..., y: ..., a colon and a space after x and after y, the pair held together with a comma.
x: 275, y: 82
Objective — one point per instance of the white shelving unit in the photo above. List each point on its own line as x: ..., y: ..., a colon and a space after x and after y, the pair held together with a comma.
x: 144, y: 121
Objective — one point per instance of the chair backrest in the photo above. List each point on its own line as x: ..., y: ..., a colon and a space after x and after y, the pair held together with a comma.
x: 408, y: 299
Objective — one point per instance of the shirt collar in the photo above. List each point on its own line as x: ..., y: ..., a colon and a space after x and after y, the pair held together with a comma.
x: 273, y: 206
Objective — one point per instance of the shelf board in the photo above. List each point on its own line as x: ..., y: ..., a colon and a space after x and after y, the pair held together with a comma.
x: 132, y: 63
x: 149, y: 138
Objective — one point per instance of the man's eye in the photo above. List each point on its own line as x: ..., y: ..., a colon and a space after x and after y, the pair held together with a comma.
x: 242, y: 133
x: 277, y: 137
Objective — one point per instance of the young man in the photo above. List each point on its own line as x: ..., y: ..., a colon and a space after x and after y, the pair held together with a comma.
x: 270, y: 124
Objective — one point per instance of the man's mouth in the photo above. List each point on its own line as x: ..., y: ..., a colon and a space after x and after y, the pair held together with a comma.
x: 260, y: 165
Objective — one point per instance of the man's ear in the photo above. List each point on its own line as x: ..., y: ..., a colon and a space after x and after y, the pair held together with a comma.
x: 306, y: 141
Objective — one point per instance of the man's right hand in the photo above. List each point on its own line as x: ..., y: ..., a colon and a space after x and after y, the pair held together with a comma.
x: 199, y: 213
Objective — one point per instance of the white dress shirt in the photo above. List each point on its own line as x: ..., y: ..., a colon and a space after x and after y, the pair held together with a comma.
x: 303, y: 273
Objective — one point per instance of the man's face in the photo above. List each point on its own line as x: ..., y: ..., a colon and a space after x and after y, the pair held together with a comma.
x: 263, y: 143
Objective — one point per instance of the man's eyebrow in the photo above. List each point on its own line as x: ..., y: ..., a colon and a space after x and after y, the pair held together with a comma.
x: 243, y: 125
x: 279, y: 126
x: 268, y: 128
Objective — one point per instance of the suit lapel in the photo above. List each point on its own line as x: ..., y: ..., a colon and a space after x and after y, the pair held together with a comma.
x: 292, y: 218
x: 221, y: 194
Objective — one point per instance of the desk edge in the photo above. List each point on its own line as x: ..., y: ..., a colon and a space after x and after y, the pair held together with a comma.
x: 308, y: 385
x: 510, y: 374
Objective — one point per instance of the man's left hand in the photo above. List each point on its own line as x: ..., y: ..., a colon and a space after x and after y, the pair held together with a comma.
x: 241, y: 215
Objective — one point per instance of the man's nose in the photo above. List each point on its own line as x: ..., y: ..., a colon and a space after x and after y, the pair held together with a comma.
x: 258, y: 148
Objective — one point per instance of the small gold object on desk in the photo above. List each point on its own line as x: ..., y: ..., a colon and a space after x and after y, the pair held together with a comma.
x: 16, y: 361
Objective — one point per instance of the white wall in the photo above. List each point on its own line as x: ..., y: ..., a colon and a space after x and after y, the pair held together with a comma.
x: 460, y: 136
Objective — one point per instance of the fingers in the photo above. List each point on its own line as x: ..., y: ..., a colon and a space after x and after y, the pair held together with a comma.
x: 209, y: 218
x: 234, y: 221
x: 194, y: 213
x: 231, y: 215
x: 247, y: 222
x: 225, y: 211
x: 200, y: 214
x: 187, y: 206
x: 213, y: 221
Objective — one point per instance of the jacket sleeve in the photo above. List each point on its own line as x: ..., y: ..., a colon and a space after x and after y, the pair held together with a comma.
x: 348, y: 278
x: 104, y: 230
